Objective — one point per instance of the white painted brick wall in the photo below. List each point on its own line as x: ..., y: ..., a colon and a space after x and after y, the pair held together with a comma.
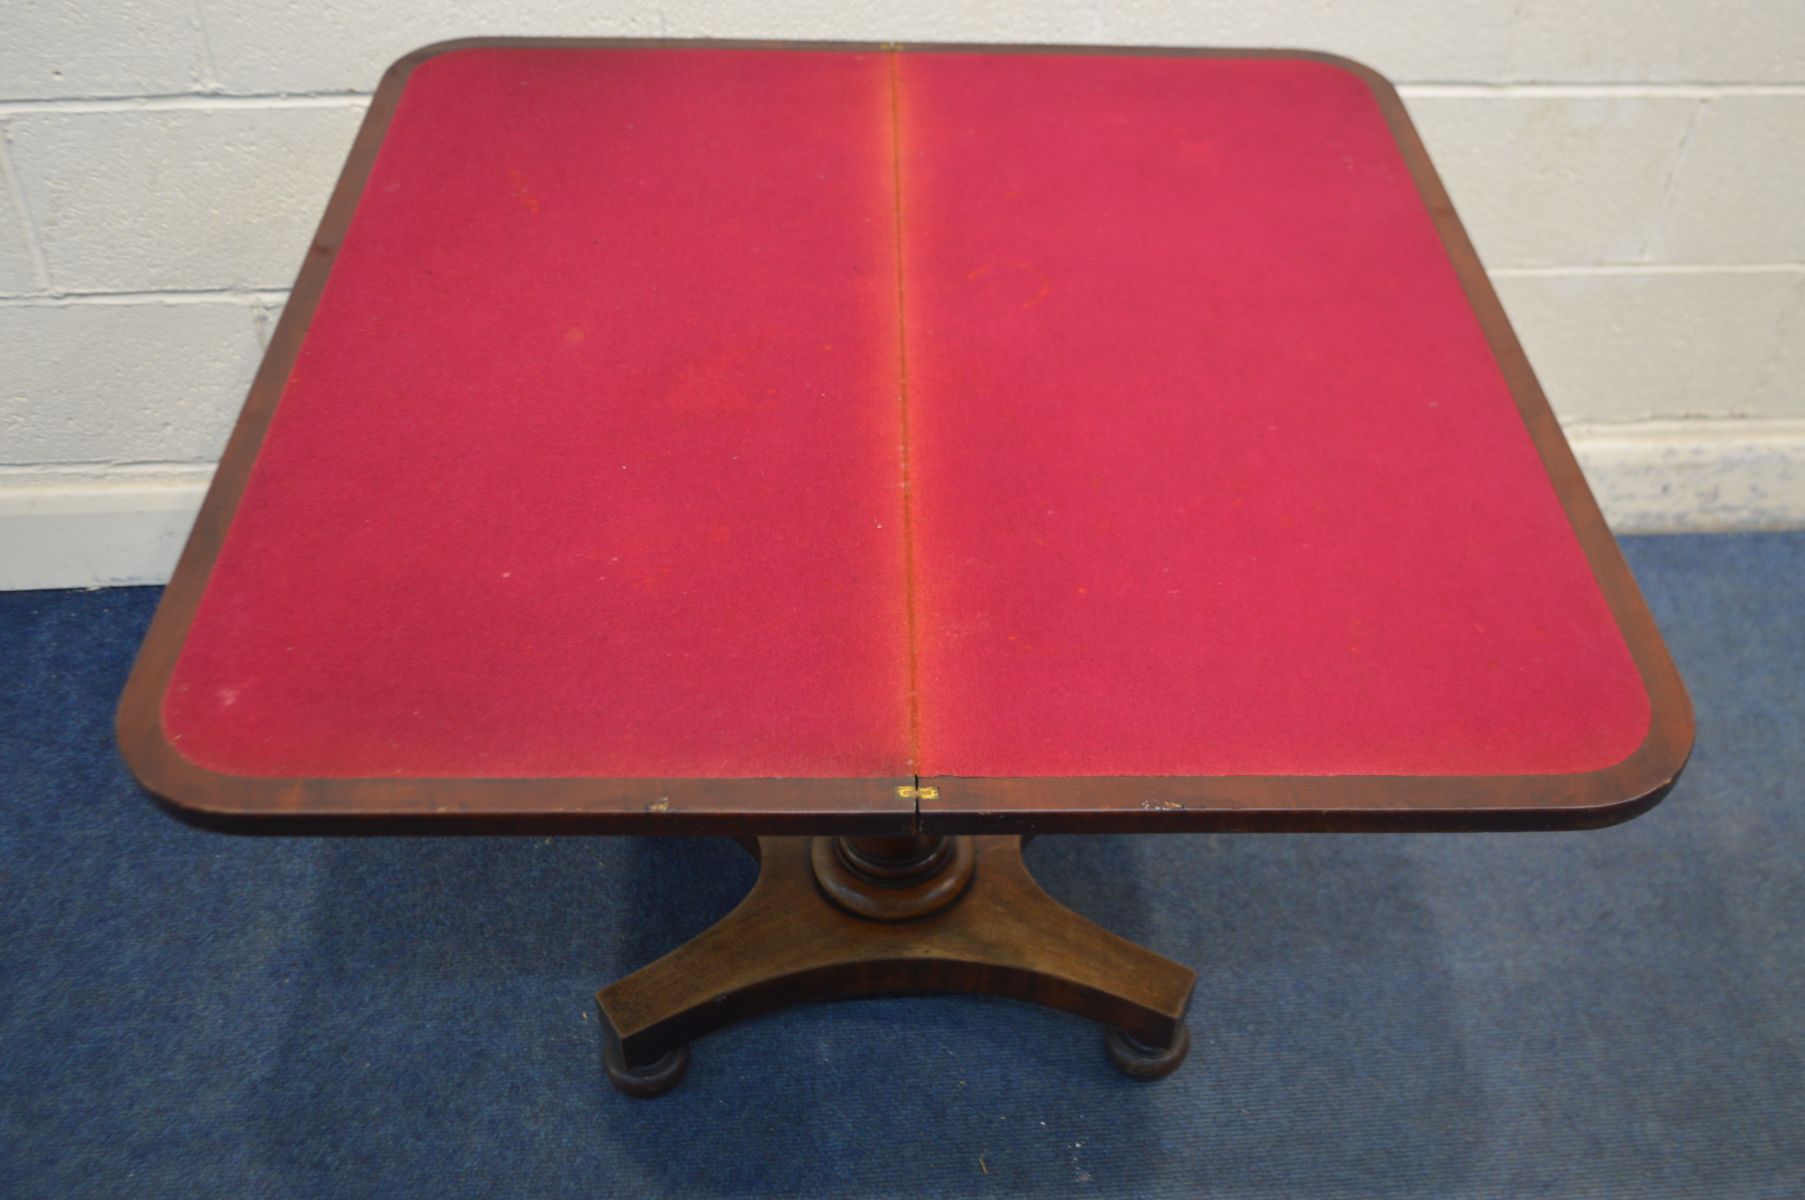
x: 1654, y: 41
x: 54, y: 48
x: 1553, y: 180
x: 1739, y: 195
x: 122, y: 383
x: 178, y: 198
x: 17, y: 271
x: 1633, y: 174
x: 1684, y: 345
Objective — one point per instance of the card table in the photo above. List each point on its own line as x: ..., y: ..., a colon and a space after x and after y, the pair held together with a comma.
x: 882, y: 454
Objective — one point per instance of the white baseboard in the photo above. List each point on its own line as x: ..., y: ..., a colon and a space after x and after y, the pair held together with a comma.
x: 1665, y: 477
x: 99, y: 534
x: 1695, y: 476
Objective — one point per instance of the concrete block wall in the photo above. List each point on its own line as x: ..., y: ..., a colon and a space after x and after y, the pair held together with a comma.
x: 1633, y: 174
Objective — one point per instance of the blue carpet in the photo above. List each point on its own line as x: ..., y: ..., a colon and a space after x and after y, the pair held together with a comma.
x: 1616, y: 1013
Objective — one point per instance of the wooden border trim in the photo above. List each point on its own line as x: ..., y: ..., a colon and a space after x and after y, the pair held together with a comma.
x: 745, y: 807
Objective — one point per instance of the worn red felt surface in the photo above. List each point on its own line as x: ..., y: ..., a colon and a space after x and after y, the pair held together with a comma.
x: 589, y: 462
x: 592, y: 461
x: 1213, y: 470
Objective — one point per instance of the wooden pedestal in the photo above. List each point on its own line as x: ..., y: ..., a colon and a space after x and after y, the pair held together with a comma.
x: 971, y: 920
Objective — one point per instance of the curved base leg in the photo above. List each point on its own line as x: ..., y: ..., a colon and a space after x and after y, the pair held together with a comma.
x: 787, y: 943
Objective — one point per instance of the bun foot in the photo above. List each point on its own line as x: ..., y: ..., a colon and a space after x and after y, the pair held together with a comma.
x: 1137, y: 1060
x: 653, y: 1079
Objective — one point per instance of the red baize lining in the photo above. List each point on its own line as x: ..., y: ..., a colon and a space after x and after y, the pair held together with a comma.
x: 592, y: 461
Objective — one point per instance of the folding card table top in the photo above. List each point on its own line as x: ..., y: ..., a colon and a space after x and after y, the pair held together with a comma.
x: 897, y: 442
